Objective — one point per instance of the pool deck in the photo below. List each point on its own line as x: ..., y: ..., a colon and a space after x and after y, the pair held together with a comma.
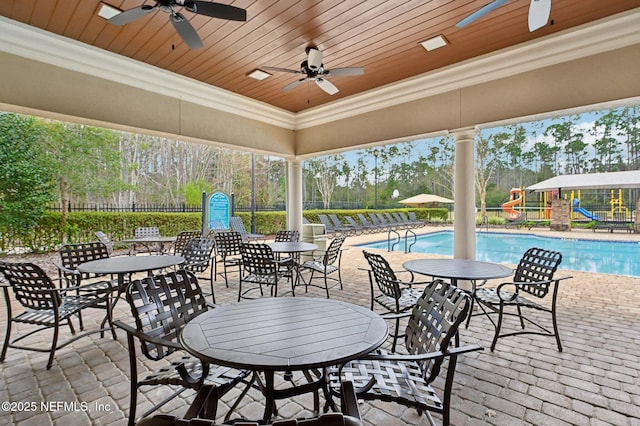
x: 526, y: 381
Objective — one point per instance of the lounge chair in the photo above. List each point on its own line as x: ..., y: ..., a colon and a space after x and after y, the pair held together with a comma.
x: 237, y: 225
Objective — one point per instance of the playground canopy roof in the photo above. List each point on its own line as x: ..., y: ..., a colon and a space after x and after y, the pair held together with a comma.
x: 611, y: 180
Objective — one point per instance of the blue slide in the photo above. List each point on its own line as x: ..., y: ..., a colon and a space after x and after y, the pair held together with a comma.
x: 583, y: 212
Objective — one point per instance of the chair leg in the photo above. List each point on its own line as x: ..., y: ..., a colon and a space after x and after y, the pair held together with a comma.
x: 54, y: 343
x: 555, y: 328
x: 211, y: 279
x: 9, y: 324
x: 498, y: 326
x: 395, y: 335
x: 133, y: 399
x: 326, y: 285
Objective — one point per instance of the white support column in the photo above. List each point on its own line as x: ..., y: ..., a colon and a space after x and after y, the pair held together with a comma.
x: 294, y: 195
x: 464, y: 225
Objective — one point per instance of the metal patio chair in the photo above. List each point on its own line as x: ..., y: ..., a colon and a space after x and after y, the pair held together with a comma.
x: 182, y: 238
x: 324, y: 264
x: 260, y: 267
x: 388, y: 292
x: 431, y: 338
x: 227, y: 252
x: 198, y: 256
x: 47, y: 306
x: 161, y: 305
x: 145, y: 232
x: 533, y: 279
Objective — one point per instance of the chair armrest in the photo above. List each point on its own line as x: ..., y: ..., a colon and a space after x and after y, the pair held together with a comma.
x: 394, y: 316
x: 517, y: 285
x: 453, y: 351
x: 66, y: 270
x: 349, y: 401
x: 144, y: 337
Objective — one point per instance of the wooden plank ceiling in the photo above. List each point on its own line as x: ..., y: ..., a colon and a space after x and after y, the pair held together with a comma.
x: 381, y: 36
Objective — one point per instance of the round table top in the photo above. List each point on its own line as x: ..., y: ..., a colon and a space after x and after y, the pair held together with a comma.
x: 284, y: 333
x: 129, y: 264
x: 458, y: 269
x: 292, y: 247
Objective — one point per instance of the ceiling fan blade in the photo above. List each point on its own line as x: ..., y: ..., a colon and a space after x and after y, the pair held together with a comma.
x: 480, y: 13
x: 344, y: 72
x: 131, y: 15
x: 217, y: 10
x: 281, y: 70
x: 539, y: 12
x: 186, y: 31
x: 327, y: 86
x: 292, y: 85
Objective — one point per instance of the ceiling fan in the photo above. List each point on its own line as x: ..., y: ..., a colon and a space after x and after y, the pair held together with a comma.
x: 180, y: 23
x: 539, y: 12
x: 313, y: 70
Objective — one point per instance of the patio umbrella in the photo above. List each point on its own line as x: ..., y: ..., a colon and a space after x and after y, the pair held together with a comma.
x: 421, y: 200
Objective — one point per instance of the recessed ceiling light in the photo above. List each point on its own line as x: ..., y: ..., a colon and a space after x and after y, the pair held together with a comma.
x: 435, y: 43
x: 108, y: 12
x: 259, y: 74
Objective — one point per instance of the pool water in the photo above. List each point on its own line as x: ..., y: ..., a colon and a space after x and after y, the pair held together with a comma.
x: 605, y: 257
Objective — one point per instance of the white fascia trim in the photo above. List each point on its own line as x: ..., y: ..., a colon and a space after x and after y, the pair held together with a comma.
x: 607, y: 34
x: 33, y: 43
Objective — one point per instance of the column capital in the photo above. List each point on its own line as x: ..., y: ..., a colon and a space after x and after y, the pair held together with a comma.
x: 464, y: 134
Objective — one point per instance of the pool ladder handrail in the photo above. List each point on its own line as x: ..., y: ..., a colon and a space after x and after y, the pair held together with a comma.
x: 407, y: 246
x: 391, y: 246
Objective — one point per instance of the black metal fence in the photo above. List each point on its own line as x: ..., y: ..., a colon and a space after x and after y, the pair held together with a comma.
x: 133, y: 207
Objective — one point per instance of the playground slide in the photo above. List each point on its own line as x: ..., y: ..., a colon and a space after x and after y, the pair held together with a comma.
x: 515, y: 198
x: 583, y: 212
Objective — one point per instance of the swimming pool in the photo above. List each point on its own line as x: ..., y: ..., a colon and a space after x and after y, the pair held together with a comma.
x: 605, y: 257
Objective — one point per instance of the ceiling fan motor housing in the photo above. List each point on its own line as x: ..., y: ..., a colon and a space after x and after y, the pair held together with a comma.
x: 314, y: 59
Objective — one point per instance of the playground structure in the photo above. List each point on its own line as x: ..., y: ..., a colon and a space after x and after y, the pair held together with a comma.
x: 516, y: 197
x: 516, y: 206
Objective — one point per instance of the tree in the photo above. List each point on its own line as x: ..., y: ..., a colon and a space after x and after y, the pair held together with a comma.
x: 325, y: 170
x: 26, y: 185
x: 488, y: 151
x: 83, y: 159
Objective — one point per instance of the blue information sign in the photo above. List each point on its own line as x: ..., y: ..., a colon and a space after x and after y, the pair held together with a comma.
x: 218, y: 211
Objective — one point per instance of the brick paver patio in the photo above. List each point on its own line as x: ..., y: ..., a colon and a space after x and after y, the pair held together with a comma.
x: 526, y: 381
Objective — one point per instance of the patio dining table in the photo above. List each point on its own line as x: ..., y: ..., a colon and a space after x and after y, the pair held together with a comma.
x: 121, y: 266
x: 150, y: 242
x: 293, y: 248
x: 285, y: 334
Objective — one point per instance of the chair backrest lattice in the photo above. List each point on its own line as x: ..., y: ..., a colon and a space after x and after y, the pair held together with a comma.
x: 72, y: 255
x: 228, y: 243
x: 383, y: 275
x: 182, y: 238
x: 31, y: 285
x: 258, y: 259
x: 434, y: 321
x: 149, y: 231
x: 161, y: 305
x: 537, y: 265
x: 287, y: 236
x: 197, y: 253
x: 333, y: 251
